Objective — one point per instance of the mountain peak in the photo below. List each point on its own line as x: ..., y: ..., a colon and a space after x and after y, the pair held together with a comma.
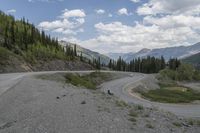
x: 144, y: 50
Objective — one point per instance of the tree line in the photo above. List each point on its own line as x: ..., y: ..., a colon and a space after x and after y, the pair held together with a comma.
x: 144, y: 65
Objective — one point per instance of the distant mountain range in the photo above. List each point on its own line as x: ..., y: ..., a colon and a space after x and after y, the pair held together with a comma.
x: 169, y: 52
x: 88, y: 53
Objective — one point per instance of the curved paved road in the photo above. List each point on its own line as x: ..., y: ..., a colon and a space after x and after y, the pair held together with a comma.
x: 121, y: 88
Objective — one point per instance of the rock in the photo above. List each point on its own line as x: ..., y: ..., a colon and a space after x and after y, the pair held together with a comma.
x: 83, y: 102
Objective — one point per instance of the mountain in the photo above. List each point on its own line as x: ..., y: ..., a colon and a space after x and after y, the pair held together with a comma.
x: 87, y: 53
x: 193, y: 59
x: 114, y: 56
x: 169, y: 52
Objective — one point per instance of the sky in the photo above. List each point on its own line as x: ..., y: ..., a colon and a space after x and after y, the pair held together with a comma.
x: 113, y: 26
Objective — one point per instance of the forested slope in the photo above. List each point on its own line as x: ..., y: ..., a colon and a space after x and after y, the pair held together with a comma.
x: 25, y: 48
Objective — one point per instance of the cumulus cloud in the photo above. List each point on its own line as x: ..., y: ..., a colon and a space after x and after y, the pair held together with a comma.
x: 100, y: 11
x: 174, y: 21
x: 123, y: 38
x: 69, y: 23
x: 164, y: 23
x: 154, y: 7
x: 73, y: 13
x: 123, y: 11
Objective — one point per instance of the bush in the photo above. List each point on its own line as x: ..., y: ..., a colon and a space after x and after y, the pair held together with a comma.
x: 196, y: 75
x: 168, y: 74
x: 184, y: 72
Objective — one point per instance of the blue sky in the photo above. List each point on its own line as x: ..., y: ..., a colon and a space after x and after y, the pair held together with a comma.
x: 113, y: 25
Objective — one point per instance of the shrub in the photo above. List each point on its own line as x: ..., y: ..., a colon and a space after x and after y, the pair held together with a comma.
x: 184, y: 72
x: 168, y: 74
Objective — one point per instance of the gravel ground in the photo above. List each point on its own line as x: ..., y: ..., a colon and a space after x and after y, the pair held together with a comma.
x: 43, y: 106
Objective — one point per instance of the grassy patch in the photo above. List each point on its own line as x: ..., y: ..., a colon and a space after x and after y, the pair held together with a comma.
x: 172, y: 95
x: 78, y: 80
x: 58, y: 77
x: 177, y: 124
x: 120, y: 103
x: 139, y: 107
x: 90, y: 81
x: 149, y: 126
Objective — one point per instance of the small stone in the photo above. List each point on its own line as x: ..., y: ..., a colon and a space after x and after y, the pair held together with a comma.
x: 83, y: 102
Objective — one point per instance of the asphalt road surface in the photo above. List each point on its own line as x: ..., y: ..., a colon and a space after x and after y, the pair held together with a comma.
x: 122, y: 87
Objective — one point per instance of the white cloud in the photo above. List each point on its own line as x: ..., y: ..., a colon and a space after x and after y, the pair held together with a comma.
x: 124, y: 38
x: 69, y: 23
x: 100, y: 11
x: 123, y: 11
x: 166, y: 23
x: 174, y: 21
x: 154, y: 7
x: 73, y: 13
x: 135, y: 1
x: 11, y: 11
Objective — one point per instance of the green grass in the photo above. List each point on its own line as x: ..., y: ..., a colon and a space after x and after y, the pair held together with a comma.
x: 177, y: 124
x: 149, y: 125
x: 90, y: 81
x: 139, y: 107
x: 120, y: 103
x: 78, y: 80
x: 172, y: 95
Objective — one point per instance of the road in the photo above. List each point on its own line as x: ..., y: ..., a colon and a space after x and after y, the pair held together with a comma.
x: 122, y: 87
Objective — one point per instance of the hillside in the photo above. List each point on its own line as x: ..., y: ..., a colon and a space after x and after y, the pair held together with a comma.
x: 88, y: 53
x: 23, y: 47
x: 169, y: 52
x: 194, y: 59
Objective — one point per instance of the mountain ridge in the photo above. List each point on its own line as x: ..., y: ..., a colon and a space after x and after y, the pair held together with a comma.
x: 87, y: 53
x: 179, y: 52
